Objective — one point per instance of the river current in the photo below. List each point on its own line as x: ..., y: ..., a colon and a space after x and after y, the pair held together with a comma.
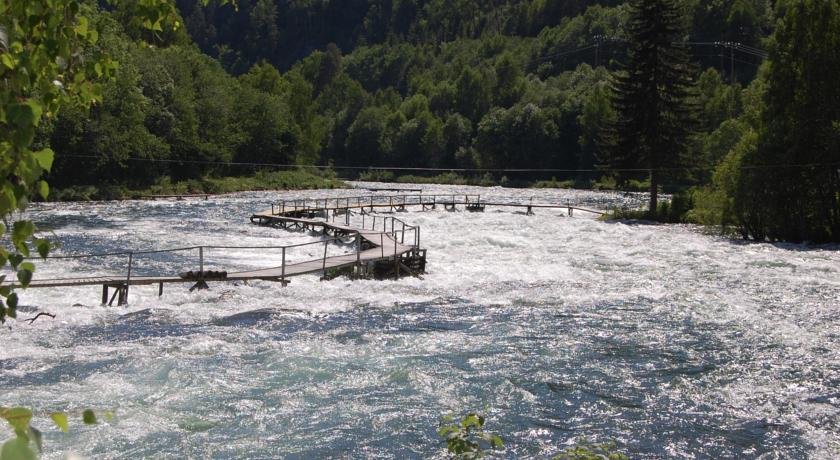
x: 671, y: 342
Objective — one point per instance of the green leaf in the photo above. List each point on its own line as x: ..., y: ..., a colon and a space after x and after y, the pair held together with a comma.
x: 81, y: 26
x: 8, y: 203
x: 45, y: 159
x: 35, y: 436
x: 12, y: 300
x: 60, y: 420
x: 15, y: 260
x: 7, y: 60
x: 471, y: 420
x: 18, y: 418
x: 43, y: 247
x: 496, y: 442
x: 89, y: 417
x: 24, y: 276
x: 22, y: 230
x: 25, y: 114
x: 17, y: 449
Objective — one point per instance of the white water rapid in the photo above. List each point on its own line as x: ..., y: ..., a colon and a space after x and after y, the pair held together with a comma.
x: 671, y: 342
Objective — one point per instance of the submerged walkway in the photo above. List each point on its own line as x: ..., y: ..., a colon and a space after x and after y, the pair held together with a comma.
x: 383, y: 246
x: 371, y: 248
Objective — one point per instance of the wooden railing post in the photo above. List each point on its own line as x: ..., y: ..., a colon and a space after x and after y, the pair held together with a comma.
x: 201, y: 259
x: 123, y: 298
x: 396, y: 260
x: 402, y: 237
x: 283, y: 268
x: 358, y: 249
x: 324, y: 262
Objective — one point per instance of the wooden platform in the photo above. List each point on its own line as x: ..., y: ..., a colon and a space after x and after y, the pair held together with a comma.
x: 401, y: 202
x: 176, y: 196
x: 371, y: 249
x: 376, y: 247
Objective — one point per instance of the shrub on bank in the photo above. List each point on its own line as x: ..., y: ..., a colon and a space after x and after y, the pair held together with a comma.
x: 261, y: 180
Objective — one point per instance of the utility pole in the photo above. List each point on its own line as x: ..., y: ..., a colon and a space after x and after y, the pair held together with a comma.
x: 732, y: 62
x: 598, y: 39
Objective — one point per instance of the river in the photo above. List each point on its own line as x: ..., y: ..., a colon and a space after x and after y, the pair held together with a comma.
x: 667, y: 340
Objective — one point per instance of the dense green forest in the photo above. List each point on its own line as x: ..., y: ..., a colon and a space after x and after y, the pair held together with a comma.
x: 473, y: 85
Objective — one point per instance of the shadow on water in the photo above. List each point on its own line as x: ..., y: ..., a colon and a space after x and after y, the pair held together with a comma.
x: 792, y: 247
x: 52, y: 222
x: 138, y: 325
x: 65, y: 371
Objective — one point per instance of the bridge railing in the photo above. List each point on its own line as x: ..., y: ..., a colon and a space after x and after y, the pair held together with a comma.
x: 398, y: 228
x: 196, y: 260
x: 369, y: 202
x: 363, y: 201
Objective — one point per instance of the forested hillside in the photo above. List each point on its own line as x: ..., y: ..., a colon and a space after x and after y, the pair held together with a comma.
x: 437, y: 84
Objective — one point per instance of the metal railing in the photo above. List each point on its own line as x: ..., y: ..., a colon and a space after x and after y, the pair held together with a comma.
x: 370, y: 201
x: 201, y: 253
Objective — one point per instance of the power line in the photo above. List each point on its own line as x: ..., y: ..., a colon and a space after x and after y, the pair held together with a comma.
x: 600, y: 40
x: 568, y: 52
x: 475, y: 170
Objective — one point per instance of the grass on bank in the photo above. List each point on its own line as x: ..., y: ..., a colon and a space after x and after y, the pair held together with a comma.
x: 489, y: 180
x: 262, y: 180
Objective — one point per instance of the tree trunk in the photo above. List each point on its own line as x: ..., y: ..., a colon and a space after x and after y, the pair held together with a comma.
x: 654, y: 193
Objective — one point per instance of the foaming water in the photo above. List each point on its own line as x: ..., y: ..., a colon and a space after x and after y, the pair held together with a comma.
x: 669, y: 341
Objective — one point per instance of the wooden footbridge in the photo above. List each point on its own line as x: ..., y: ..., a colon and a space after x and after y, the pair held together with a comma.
x: 374, y: 246
x: 369, y: 203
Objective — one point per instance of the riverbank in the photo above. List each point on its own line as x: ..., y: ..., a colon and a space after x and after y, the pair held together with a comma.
x: 262, y: 180
x: 605, y: 183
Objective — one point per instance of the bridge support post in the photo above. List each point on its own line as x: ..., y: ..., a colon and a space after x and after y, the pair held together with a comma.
x: 124, y: 291
x: 200, y: 285
x: 324, y: 261
x: 123, y: 298
x: 283, y: 269
x: 104, y: 294
x: 358, y: 251
x: 396, y: 260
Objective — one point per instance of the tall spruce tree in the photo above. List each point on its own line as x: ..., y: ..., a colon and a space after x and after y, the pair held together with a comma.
x: 789, y: 182
x: 650, y: 96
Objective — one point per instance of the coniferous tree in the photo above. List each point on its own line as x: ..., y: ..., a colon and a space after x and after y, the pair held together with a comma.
x: 789, y: 182
x: 653, y: 116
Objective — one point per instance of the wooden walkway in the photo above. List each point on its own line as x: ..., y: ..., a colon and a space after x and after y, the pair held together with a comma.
x: 370, y: 247
x: 401, y: 202
x: 378, y: 249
